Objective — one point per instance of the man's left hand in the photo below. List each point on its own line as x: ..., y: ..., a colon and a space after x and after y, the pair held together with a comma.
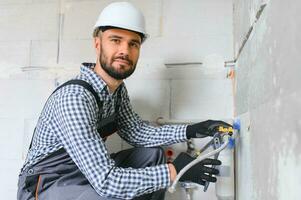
x: 205, y: 128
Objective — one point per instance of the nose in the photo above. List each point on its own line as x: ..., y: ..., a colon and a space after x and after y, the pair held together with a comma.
x: 124, y: 49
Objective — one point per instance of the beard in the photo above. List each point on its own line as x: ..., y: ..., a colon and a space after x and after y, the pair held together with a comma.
x: 106, y: 65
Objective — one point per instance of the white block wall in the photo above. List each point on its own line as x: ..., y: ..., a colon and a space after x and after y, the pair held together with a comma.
x: 43, y: 42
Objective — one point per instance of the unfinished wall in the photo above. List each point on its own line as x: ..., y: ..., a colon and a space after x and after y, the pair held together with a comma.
x: 268, y: 100
x: 43, y: 42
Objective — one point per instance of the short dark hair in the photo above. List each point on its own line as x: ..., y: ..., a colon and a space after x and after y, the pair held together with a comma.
x: 104, y: 28
x: 96, y: 31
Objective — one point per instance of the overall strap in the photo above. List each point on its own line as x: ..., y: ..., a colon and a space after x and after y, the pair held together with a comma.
x: 119, y: 101
x: 82, y: 83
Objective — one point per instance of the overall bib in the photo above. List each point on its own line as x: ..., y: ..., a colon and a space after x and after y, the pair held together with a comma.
x: 57, y: 177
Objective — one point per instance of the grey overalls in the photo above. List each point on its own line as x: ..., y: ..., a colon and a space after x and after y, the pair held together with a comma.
x: 57, y: 177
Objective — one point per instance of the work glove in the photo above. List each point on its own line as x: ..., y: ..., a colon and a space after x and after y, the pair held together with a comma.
x: 199, y: 173
x: 205, y: 128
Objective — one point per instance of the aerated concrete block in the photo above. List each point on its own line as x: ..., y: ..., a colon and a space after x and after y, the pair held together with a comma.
x: 29, y: 22
x: 14, y: 2
x: 11, y: 137
x: 23, y: 98
x: 75, y: 52
x: 150, y: 98
x: 43, y: 53
x: 80, y: 17
x: 9, y: 171
x: 175, y: 49
x: 13, y: 53
x: 197, y: 17
x: 201, y: 99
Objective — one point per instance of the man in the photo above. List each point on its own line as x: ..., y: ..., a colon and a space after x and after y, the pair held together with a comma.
x: 68, y: 158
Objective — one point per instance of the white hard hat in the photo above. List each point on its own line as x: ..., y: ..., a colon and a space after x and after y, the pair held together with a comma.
x: 122, y: 15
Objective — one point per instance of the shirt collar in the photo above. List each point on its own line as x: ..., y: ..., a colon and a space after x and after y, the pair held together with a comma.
x: 87, y: 70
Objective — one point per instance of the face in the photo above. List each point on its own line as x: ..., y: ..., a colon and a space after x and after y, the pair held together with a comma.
x: 118, y: 52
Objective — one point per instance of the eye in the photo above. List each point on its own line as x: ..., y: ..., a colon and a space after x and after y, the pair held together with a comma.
x: 115, y: 40
x: 134, y: 44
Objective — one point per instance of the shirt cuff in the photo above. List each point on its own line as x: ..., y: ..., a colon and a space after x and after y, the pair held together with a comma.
x: 169, y: 179
x: 181, y: 133
x: 161, y: 176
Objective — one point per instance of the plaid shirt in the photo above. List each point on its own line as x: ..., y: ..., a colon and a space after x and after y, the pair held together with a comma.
x: 68, y: 121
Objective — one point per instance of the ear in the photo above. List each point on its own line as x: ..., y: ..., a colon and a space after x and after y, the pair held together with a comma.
x: 96, y: 44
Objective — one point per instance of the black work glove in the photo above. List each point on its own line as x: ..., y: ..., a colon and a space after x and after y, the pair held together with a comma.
x: 198, y: 173
x: 205, y: 128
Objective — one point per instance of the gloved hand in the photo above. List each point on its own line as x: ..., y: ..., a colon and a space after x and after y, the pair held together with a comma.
x: 204, y: 129
x: 198, y: 173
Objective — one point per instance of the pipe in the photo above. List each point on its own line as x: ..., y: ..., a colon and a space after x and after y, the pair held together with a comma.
x: 162, y: 121
x: 172, y: 65
x: 171, y: 189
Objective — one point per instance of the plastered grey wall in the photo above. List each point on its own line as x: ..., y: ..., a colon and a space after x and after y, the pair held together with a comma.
x: 268, y: 100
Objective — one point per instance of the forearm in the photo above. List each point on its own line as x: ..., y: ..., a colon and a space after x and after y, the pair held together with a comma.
x: 143, y: 134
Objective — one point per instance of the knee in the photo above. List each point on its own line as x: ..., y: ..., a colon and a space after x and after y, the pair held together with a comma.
x: 158, y: 155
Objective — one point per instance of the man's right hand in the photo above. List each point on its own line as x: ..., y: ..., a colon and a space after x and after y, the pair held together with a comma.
x: 199, y: 173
